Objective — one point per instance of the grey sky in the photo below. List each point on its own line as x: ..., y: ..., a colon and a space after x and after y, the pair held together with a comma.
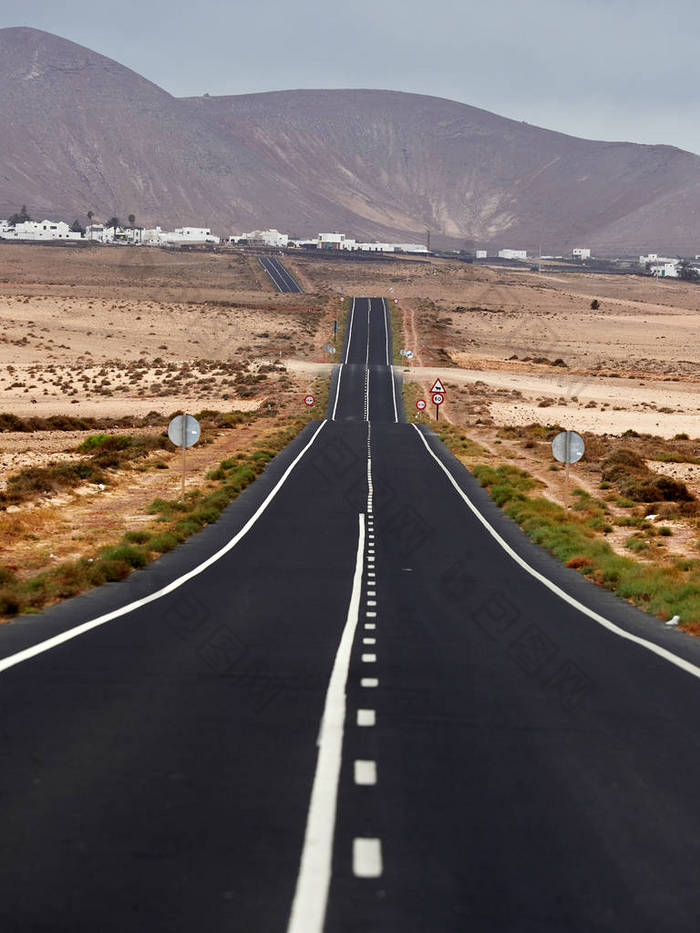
x: 602, y: 69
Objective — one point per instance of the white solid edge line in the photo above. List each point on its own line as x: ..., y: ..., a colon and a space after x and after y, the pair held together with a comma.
x: 388, y: 363
x: 352, y: 321
x: 669, y: 656
x: 337, y: 391
x: 386, y: 332
x: 71, y: 633
x: 311, y: 894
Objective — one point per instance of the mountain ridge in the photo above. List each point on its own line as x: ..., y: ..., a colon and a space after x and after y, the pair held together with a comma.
x: 82, y: 132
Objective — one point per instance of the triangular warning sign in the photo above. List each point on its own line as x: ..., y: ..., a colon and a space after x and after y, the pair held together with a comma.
x: 437, y: 386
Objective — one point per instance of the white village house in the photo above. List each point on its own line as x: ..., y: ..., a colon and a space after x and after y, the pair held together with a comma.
x: 38, y: 230
x: 512, y: 254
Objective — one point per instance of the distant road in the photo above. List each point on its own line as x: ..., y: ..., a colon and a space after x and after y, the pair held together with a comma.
x: 282, y: 278
x: 359, y: 701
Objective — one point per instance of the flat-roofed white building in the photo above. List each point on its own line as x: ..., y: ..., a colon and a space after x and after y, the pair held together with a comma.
x: 331, y: 240
x: 263, y: 238
x: 512, y: 254
x: 581, y: 253
x: 40, y: 230
x: 481, y: 254
x: 665, y: 270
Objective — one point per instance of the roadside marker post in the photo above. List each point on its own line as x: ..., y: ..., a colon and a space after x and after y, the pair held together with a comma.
x: 184, y: 431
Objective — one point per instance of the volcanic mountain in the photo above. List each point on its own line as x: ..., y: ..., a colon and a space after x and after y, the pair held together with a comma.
x: 81, y: 132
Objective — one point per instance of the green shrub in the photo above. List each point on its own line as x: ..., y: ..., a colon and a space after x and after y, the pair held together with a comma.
x: 163, y: 542
x: 125, y: 553
x: 136, y: 537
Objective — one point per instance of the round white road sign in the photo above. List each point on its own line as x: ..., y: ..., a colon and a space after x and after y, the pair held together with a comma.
x: 184, y: 426
x: 309, y: 400
x: 568, y: 447
x: 438, y: 398
x: 420, y: 404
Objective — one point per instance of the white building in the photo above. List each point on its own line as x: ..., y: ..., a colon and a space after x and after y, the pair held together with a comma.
x: 481, y: 254
x: 665, y: 270
x: 512, y: 254
x: 652, y: 257
x: 156, y: 236
x: 189, y: 235
x: 39, y: 230
x: 263, y: 238
x: 331, y: 240
x: 581, y: 253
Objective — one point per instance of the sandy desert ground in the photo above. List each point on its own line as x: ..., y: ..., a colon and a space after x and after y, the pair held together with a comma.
x: 119, y: 333
x: 525, y: 341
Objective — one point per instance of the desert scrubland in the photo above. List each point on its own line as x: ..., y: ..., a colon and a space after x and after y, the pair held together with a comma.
x: 110, y: 342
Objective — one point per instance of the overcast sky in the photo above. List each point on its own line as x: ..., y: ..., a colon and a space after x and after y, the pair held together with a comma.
x: 603, y: 69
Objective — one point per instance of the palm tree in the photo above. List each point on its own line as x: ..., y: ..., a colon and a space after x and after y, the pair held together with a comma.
x: 90, y: 215
x: 132, y: 220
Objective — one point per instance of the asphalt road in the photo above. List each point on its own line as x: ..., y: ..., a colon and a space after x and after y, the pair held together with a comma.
x: 361, y: 701
x: 282, y: 278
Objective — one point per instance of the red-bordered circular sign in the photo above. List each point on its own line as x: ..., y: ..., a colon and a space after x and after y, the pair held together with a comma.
x: 420, y: 404
x: 309, y: 400
x: 438, y: 398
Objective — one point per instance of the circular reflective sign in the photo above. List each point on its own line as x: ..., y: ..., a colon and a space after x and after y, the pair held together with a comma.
x: 438, y: 398
x: 420, y: 404
x: 309, y: 400
x: 184, y: 426
x: 568, y: 447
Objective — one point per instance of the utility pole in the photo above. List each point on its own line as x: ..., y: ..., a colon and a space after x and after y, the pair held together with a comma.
x: 428, y: 238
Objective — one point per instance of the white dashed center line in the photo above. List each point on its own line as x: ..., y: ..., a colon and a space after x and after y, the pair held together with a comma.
x: 367, y: 858
x: 365, y: 772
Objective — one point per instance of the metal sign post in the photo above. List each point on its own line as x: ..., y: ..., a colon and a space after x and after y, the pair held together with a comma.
x: 568, y: 447
x: 184, y: 431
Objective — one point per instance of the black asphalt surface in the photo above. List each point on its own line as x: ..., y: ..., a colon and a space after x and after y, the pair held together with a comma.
x: 281, y: 277
x: 535, y: 771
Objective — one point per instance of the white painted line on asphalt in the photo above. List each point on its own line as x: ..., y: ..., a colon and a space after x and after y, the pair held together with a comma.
x: 366, y: 717
x: 43, y: 646
x: 669, y: 656
x: 369, y: 658
x: 349, y: 338
x: 365, y: 772
x: 370, y: 626
x: 367, y: 858
x: 337, y: 391
x: 371, y: 615
x: 388, y: 362
x: 311, y: 895
x: 369, y: 641
x: 386, y: 332
x: 371, y: 602
x: 371, y: 592
x: 369, y: 682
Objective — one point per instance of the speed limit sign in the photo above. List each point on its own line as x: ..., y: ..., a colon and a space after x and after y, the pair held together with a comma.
x: 309, y: 400
x: 420, y: 404
x: 438, y: 398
